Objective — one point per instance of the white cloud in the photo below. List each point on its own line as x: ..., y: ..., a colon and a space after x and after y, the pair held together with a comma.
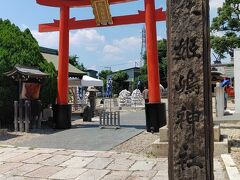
x: 121, y: 47
x: 93, y: 67
x: 110, y: 49
x: 129, y: 43
x: 49, y: 40
x: 214, y: 4
x: 90, y: 40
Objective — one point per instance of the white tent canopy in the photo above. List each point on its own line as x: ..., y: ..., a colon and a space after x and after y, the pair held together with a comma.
x: 85, y: 81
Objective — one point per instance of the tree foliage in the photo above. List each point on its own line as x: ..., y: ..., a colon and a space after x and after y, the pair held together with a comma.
x: 227, y: 23
x: 73, y: 61
x: 17, y: 47
x: 119, y: 82
x: 162, y: 59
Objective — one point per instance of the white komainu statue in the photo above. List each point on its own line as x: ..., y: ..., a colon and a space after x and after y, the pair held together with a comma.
x: 124, y: 98
x: 137, y: 98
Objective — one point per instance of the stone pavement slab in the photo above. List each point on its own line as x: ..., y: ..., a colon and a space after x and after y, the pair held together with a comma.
x: 102, y: 165
x: 145, y: 174
x: 63, y: 152
x: 68, y: 173
x: 79, y: 162
x: 55, y: 160
x: 160, y: 175
x: 143, y: 166
x: 93, y: 174
x: 22, y: 157
x: 8, y: 167
x: 85, y: 153
x: 121, y: 164
x: 99, y: 163
x: 24, y: 169
x: 8, y: 155
x: 44, y: 172
x: 116, y: 175
x: 38, y: 158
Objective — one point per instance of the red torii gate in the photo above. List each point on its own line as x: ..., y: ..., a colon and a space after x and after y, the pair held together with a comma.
x: 149, y: 17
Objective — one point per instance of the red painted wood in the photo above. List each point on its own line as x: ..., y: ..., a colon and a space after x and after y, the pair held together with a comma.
x: 91, y: 23
x: 75, y: 3
x: 152, y: 53
x: 62, y: 97
x: 149, y: 16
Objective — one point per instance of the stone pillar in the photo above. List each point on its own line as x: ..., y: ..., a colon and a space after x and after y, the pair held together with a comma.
x: 190, y: 115
x: 237, y: 80
x: 219, y: 100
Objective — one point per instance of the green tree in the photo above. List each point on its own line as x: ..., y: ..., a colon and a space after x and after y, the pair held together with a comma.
x: 73, y: 61
x: 16, y: 47
x: 119, y: 82
x: 104, y: 73
x: 226, y: 23
x: 162, y: 59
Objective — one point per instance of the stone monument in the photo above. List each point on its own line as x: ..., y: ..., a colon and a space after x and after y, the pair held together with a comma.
x: 136, y: 97
x: 190, y: 116
x: 124, y: 98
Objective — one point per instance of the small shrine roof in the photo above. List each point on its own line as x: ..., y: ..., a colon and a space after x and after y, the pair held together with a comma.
x: 25, y: 72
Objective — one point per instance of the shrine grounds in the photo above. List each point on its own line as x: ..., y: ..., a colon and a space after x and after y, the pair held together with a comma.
x: 63, y: 152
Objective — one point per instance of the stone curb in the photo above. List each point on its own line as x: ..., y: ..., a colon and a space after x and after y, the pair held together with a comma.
x: 7, y: 146
x: 232, y: 171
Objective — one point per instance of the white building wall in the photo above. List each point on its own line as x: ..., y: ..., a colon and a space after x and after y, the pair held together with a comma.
x: 237, y: 79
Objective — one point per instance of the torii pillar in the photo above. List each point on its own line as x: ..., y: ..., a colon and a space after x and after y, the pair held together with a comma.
x: 62, y: 111
x: 155, y: 110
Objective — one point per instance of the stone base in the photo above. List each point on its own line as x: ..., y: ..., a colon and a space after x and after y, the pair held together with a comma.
x: 216, y: 133
x: 155, y: 116
x: 164, y: 133
x: 62, y: 116
x: 160, y: 146
x: 160, y: 149
x: 235, y: 118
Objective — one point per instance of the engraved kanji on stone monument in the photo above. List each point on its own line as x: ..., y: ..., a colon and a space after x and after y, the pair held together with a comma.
x: 186, y: 48
x: 189, y: 84
x: 190, y: 116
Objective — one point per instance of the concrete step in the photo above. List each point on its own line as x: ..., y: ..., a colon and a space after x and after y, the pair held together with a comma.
x: 163, y: 132
x: 160, y: 149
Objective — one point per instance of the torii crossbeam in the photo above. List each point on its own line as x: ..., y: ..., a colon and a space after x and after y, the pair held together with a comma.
x: 103, y: 18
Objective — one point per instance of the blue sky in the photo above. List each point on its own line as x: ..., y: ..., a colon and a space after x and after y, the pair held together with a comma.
x: 97, y: 48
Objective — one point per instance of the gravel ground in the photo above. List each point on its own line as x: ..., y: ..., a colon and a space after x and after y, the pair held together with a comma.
x: 139, y: 144
x: 11, y: 138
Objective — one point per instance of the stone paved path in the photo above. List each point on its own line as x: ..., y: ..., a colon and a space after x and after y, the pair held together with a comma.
x: 19, y: 163
x: 88, y: 135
